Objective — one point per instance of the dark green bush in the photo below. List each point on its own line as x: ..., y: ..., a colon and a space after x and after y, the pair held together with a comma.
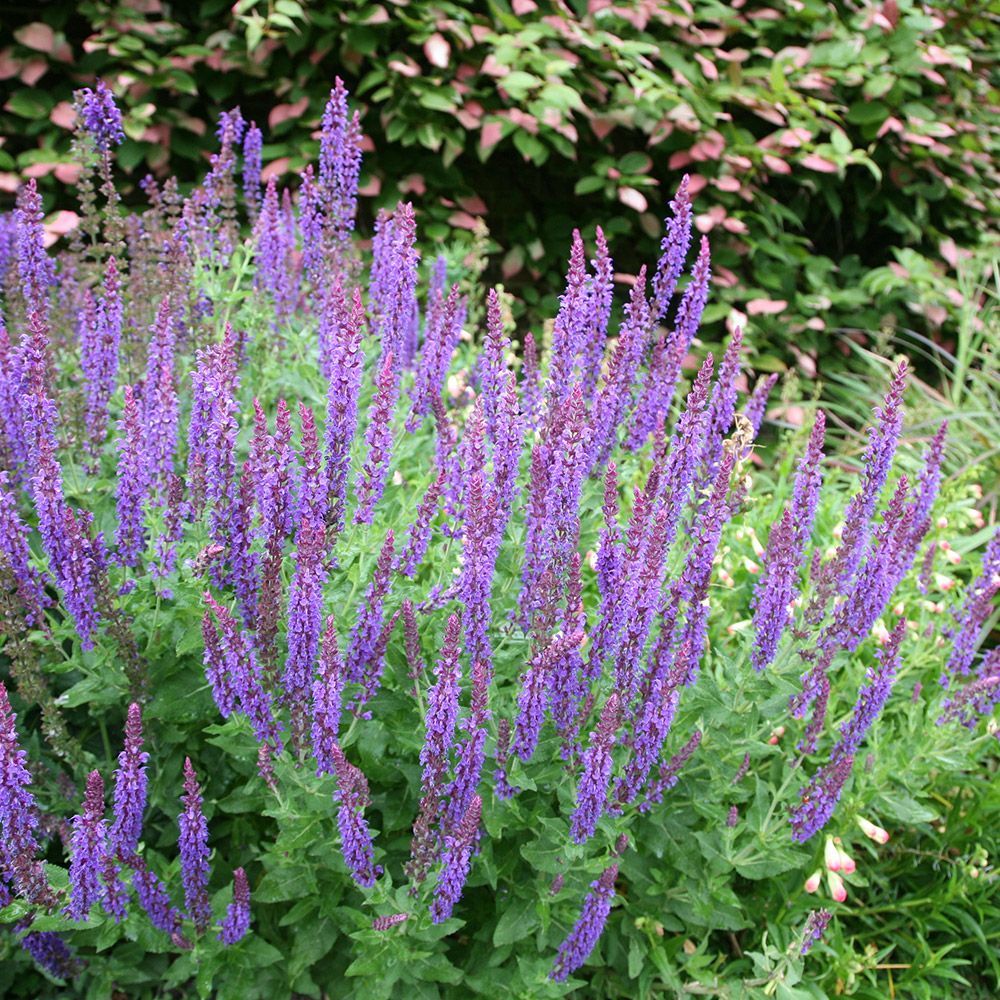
x: 855, y: 142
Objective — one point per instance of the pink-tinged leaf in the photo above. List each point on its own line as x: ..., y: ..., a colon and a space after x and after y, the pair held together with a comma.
x: 522, y: 7
x: 709, y: 148
x: 367, y: 144
x: 621, y: 278
x: 493, y: 68
x: 437, y: 51
x: 949, y: 251
x: 764, y: 14
x: 633, y: 199
x: 679, y: 160
x: 733, y: 55
x: 523, y: 120
x: 776, y: 164
x: 68, y: 173
x: 9, y: 66
x: 474, y: 204
x: 286, y: 112
x: 378, y: 16
x: 793, y: 415
x: 890, y: 125
x: 707, y: 67
x: 512, y: 263
x: 898, y: 270
x: 936, y: 314
x: 722, y: 277
x: 736, y: 320
x: 816, y: 323
x: 462, y: 220
x: 736, y: 226
x: 696, y: 183
x: 9, y: 183
x: 934, y: 76
x: 33, y: 71
x: 276, y: 168
x: 39, y: 169
x: 490, y: 134
x: 413, y: 184
x: 602, y: 127
x: 371, y: 188
x: 918, y: 140
x: 37, y: 36
x: 739, y: 163
x: 819, y: 163
x: 614, y: 173
x: 405, y: 67
x: 766, y: 307
x: 59, y: 225
x: 727, y: 183
x: 63, y: 115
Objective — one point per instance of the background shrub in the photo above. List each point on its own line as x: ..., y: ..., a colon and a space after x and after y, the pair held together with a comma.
x: 845, y: 153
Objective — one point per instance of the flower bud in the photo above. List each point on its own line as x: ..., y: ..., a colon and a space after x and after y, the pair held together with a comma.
x: 812, y: 883
x: 846, y: 862
x: 831, y: 856
x: 836, y: 886
x: 943, y: 582
x: 942, y: 523
x: 869, y: 829
x: 750, y: 566
x: 776, y: 735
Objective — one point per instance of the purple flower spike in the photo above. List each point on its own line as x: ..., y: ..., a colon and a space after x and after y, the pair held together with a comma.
x: 36, y: 269
x: 193, y: 847
x: 253, y: 142
x: 816, y: 924
x: 89, y: 844
x: 355, y: 837
x: 339, y: 167
x: 100, y: 340
x: 130, y: 788
x: 455, y: 864
x: 154, y: 898
x: 592, y: 793
x: 582, y: 939
x: 673, y: 249
x: 51, y: 953
x: 327, y: 695
x: 237, y: 921
x: 371, y: 481
x: 976, y: 610
x: 363, y: 667
x: 133, y: 483
x: 15, y: 556
x: 18, y: 818
x: 100, y: 117
x: 419, y: 536
x: 442, y: 710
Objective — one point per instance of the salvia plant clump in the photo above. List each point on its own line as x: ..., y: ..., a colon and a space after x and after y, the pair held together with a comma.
x: 412, y: 637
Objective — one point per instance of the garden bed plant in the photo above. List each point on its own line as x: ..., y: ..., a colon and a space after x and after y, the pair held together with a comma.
x: 347, y: 653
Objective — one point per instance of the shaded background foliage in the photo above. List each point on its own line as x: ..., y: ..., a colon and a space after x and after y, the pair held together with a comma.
x: 856, y: 143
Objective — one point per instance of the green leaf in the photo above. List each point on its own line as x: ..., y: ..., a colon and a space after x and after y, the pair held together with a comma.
x: 517, y: 921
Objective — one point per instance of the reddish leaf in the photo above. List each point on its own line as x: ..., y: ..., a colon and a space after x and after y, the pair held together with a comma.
x: 819, y: 163
x: 437, y: 51
x: 766, y: 307
x: 63, y: 115
x: 37, y: 36
x: 285, y: 112
x: 633, y: 199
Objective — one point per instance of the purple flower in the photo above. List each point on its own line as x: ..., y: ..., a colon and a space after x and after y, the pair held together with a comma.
x: 389, y: 921
x: 592, y: 791
x: 339, y: 166
x: 976, y: 609
x: 160, y: 404
x: 18, y: 817
x: 673, y: 249
x: 442, y: 710
x: 471, y: 755
x: 100, y: 340
x: 420, y: 531
x: 609, y: 554
x: 455, y: 863
x: 615, y: 395
x: 652, y: 726
x: 493, y: 362
x: 15, y: 557
x: 816, y: 924
x: 883, y: 438
x: 966, y: 705
x: 36, y: 269
x: 371, y: 481
x: 193, y: 847
x: 100, y: 117
x: 444, y: 326
x: 133, y: 483
x: 670, y: 772
x: 757, y: 403
x: 273, y: 252
x: 253, y: 143
x: 51, y: 953
x: 237, y: 920
x: 362, y: 665
x: 312, y: 493
x: 531, y: 386
x: 569, y: 328
x: 723, y: 405
x: 154, y: 898
x: 819, y: 798
x: 88, y: 850
x: 355, y: 837
x: 600, y: 294
x: 327, y: 694
x: 305, y: 618
x: 777, y: 586
x: 130, y: 788
x: 582, y: 939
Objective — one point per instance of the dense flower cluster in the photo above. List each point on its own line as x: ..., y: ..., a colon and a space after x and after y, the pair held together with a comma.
x: 261, y: 515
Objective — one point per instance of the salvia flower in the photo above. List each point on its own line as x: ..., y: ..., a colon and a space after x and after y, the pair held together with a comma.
x: 130, y: 788
x: 99, y: 116
x: 51, y: 952
x: 582, y: 939
x: 252, y: 145
x: 389, y: 921
x: 355, y: 837
x: 192, y: 845
x: 815, y: 927
x: 456, y: 862
x: 133, y: 483
x: 592, y: 793
x: 976, y: 609
x: 371, y: 481
x: 87, y: 853
x: 237, y: 920
x: 327, y: 696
